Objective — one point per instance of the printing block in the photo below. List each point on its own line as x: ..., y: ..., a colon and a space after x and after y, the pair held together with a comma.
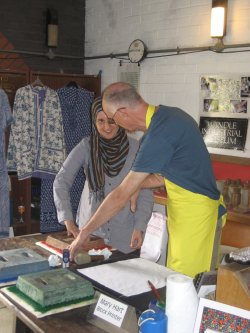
x: 61, y: 240
x: 55, y: 287
x: 20, y: 261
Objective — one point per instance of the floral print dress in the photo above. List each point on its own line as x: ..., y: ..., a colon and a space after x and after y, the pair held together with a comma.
x: 5, y: 120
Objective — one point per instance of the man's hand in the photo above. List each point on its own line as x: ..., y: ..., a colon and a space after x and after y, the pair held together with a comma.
x: 71, y: 228
x: 77, y: 243
x: 136, y: 239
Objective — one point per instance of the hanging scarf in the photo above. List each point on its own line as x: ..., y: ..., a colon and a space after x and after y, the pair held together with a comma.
x: 107, y: 156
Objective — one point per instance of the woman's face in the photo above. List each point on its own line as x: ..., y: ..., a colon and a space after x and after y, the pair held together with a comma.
x: 104, y: 128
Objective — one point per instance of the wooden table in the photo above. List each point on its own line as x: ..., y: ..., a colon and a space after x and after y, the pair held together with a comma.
x: 73, y: 321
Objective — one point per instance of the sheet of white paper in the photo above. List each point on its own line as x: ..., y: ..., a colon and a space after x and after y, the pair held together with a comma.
x: 129, y: 277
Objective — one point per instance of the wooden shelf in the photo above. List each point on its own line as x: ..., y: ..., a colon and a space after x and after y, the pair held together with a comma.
x: 236, y: 232
x: 239, y: 218
x: 230, y: 159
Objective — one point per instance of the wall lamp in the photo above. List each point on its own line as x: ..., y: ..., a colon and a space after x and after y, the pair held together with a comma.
x: 52, y: 28
x: 52, y: 31
x: 218, y: 22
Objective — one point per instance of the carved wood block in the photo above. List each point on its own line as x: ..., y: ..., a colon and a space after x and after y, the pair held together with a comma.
x: 55, y: 287
x: 20, y: 261
x: 62, y: 241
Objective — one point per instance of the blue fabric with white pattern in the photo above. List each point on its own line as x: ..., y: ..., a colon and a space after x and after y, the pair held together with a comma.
x: 5, y: 120
x: 76, y: 113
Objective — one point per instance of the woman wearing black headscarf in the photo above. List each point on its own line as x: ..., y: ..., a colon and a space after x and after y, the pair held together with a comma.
x: 106, y: 157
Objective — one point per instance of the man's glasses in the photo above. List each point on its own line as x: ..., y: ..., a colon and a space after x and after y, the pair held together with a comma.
x: 112, y: 120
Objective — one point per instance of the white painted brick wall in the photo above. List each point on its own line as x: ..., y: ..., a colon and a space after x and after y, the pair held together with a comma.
x: 111, y: 25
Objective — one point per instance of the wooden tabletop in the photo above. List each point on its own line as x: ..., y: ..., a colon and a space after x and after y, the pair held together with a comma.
x: 73, y: 321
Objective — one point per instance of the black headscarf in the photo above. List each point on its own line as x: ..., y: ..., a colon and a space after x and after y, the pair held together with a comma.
x: 107, y: 156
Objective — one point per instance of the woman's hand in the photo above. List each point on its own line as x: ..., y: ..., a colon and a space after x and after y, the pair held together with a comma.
x: 71, y: 228
x: 136, y: 239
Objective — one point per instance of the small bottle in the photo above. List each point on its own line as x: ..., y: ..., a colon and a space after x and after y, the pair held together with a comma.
x: 248, y: 182
x: 238, y: 183
x: 231, y: 189
x: 238, y: 189
x: 220, y: 184
x: 245, y: 195
x: 225, y: 194
x: 236, y: 196
x: 65, y: 262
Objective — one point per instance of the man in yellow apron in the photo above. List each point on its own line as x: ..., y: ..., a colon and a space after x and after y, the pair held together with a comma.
x: 172, y: 153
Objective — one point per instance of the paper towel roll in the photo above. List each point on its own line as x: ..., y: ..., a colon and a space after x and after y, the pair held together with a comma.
x: 181, y: 304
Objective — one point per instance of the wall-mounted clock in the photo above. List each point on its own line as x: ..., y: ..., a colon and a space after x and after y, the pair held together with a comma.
x: 137, y: 51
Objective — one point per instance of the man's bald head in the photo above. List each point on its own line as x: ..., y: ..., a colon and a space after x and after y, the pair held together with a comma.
x: 121, y: 94
x: 125, y: 106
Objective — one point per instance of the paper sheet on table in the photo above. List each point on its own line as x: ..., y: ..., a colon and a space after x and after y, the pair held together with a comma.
x: 129, y: 277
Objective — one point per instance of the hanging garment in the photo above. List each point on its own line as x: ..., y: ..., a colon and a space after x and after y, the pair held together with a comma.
x: 76, y: 116
x: 5, y: 120
x: 36, y: 147
x: 48, y: 217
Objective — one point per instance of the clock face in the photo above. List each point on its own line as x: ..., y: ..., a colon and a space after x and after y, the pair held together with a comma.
x: 137, y: 51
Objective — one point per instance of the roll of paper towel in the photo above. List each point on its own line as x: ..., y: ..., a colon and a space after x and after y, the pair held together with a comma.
x: 181, y: 304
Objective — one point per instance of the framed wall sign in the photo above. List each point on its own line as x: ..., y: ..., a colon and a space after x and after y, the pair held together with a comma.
x: 225, y: 133
x: 224, y: 113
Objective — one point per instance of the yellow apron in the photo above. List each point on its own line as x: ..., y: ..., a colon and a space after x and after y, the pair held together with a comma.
x: 192, y: 223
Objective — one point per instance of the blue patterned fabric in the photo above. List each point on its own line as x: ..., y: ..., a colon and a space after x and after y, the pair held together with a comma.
x: 5, y: 120
x: 48, y: 218
x: 76, y: 114
x: 36, y: 147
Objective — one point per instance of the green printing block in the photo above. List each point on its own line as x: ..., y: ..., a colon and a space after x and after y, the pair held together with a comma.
x: 54, y: 287
x: 20, y: 261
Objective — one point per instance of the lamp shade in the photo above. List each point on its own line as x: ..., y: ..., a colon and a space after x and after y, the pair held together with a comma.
x: 52, y: 28
x: 218, y: 18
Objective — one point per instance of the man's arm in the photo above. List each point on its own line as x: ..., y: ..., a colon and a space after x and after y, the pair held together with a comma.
x: 110, y: 206
x: 151, y: 181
